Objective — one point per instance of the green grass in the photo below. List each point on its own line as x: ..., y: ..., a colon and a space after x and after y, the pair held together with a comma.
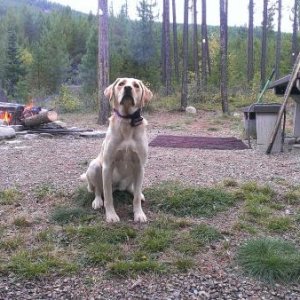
x: 184, y: 264
x: 101, y: 233
x: 63, y: 214
x: 185, y: 244
x: 279, y: 224
x: 292, y: 197
x: 242, y: 226
x: 197, y: 202
x: 32, y: 264
x: 83, y: 198
x: 229, y: 182
x: 256, y: 194
x: 9, y: 196
x: 204, y: 234
x: 99, y: 253
x: 11, y: 244
x: 44, y: 191
x: 156, y: 239
x: 21, y: 222
x: 270, y: 260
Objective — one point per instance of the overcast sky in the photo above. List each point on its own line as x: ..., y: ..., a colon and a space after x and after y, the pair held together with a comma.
x: 238, y: 10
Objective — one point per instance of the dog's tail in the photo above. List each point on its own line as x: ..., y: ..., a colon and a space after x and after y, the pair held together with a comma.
x: 83, y: 177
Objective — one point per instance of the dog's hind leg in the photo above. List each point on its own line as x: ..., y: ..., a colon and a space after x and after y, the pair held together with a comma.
x: 98, y: 201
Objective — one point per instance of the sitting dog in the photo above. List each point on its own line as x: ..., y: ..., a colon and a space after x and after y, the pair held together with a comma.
x: 120, y: 164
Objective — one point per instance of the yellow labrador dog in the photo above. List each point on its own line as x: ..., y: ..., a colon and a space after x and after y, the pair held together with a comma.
x: 120, y: 164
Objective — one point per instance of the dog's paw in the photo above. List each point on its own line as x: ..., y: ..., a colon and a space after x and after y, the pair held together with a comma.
x: 143, y: 197
x: 112, y: 217
x: 97, y: 203
x: 140, y: 217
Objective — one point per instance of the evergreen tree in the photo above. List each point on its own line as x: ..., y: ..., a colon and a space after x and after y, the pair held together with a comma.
x: 13, y: 68
x: 88, y: 67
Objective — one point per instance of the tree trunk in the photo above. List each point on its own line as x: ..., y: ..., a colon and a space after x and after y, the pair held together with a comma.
x: 223, y: 52
x: 295, y: 34
x: 250, y: 62
x: 278, y: 41
x: 203, y: 45
x: 166, y: 47
x: 103, y: 61
x: 195, y: 45
x: 184, y: 90
x: 175, y: 41
x: 263, y: 62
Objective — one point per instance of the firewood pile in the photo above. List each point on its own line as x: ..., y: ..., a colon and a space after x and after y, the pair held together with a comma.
x: 33, y: 119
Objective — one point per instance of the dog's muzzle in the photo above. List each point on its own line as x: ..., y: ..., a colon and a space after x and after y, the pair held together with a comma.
x: 127, y: 95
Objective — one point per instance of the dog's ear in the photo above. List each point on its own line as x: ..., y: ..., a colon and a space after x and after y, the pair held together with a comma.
x: 109, y: 91
x: 147, y: 94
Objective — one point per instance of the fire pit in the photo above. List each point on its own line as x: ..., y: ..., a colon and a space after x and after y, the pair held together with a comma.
x: 33, y: 120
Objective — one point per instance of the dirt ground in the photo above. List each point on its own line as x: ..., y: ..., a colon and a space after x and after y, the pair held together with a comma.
x: 29, y: 164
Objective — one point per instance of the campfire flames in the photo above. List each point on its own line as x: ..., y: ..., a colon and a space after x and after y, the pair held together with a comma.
x: 5, y: 117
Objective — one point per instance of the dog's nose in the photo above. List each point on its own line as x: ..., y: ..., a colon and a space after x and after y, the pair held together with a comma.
x: 127, y: 89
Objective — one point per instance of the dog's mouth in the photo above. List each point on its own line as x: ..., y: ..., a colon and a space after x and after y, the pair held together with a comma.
x: 127, y: 99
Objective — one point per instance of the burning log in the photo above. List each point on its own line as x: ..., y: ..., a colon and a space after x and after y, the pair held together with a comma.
x: 41, y: 118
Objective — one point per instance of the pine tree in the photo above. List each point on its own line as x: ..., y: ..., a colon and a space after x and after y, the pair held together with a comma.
x: 88, y: 67
x: 13, y: 67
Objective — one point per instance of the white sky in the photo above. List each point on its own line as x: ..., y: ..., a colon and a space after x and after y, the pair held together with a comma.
x: 237, y: 11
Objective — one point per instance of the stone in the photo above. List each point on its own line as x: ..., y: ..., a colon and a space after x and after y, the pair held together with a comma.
x: 191, y: 110
x: 7, y: 132
x: 30, y: 136
x: 46, y: 135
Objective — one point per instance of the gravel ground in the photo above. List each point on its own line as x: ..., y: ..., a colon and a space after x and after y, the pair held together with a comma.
x: 59, y: 161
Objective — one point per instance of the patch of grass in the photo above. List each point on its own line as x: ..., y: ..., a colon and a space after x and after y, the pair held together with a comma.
x: 11, y: 244
x: 179, y: 201
x: 204, y: 234
x: 156, y: 239
x: 44, y: 191
x: 185, y: 244
x: 63, y: 214
x: 32, y: 264
x: 257, y: 194
x: 9, y: 196
x: 279, y: 224
x: 83, y: 198
x: 132, y: 268
x: 230, y: 182
x: 292, y: 197
x: 184, y: 264
x: 105, y: 234
x: 46, y: 235
x: 242, y: 226
x: 99, y: 253
x: 270, y: 260
x: 21, y: 222
x: 256, y: 212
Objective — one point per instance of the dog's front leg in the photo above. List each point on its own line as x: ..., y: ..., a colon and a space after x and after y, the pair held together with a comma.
x: 107, y: 172
x: 139, y: 215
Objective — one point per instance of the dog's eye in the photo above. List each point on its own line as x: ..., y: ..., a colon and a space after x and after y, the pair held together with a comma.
x: 136, y: 86
x: 121, y: 83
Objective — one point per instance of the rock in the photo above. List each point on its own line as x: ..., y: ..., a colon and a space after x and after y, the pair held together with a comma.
x: 191, y: 110
x: 17, y: 127
x: 7, y: 132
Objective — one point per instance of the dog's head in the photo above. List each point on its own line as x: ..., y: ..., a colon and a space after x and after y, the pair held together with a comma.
x: 128, y: 94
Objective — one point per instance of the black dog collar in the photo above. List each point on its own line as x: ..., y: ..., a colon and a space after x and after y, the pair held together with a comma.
x: 136, y: 118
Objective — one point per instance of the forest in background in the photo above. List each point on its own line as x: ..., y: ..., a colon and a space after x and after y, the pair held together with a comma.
x: 46, y: 48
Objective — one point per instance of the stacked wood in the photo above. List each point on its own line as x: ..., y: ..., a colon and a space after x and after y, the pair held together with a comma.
x: 41, y: 118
